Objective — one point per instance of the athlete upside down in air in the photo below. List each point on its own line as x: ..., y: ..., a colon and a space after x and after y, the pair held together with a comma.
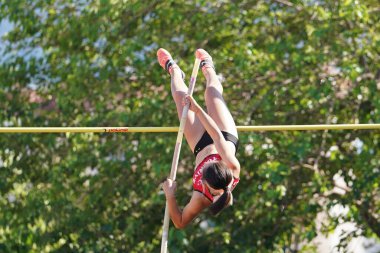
x: 213, y: 138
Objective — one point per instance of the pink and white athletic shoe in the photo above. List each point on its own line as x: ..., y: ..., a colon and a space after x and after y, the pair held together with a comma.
x: 206, y: 59
x: 166, y: 61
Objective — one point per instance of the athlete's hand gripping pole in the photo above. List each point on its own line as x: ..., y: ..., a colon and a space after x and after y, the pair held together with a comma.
x: 173, y: 172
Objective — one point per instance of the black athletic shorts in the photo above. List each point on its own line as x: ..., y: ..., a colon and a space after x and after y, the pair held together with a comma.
x: 207, y: 140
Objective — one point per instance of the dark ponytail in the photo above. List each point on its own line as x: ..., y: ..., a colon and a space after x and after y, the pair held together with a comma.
x: 218, y: 176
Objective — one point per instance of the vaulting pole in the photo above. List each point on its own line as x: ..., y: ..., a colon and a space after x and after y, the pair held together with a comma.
x: 173, y: 172
x: 176, y: 129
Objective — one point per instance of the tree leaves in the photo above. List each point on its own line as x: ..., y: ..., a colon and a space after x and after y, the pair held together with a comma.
x: 93, y: 63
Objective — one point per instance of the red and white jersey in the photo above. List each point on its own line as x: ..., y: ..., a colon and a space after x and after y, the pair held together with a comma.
x: 197, y: 177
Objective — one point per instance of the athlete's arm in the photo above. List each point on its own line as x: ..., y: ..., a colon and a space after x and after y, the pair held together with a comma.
x: 223, y: 148
x: 181, y: 218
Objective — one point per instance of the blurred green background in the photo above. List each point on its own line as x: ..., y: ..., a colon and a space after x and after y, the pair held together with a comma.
x: 93, y: 63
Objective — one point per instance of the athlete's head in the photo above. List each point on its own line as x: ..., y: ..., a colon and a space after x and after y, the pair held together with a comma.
x: 218, y: 178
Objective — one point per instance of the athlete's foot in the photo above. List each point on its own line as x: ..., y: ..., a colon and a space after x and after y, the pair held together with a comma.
x: 206, y: 59
x: 166, y: 61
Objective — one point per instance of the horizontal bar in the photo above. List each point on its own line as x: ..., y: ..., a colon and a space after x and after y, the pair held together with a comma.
x: 308, y: 127
x: 87, y: 129
x: 175, y: 129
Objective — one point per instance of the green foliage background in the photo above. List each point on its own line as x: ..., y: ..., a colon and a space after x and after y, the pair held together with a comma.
x: 92, y: 63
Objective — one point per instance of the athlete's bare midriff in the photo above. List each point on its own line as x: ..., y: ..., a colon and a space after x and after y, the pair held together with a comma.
x: 208, y: 150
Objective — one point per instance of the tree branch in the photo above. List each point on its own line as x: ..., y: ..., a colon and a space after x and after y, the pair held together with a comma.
x: 371, y: 221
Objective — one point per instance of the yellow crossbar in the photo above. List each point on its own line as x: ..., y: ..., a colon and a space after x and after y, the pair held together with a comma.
x: 175, y: 129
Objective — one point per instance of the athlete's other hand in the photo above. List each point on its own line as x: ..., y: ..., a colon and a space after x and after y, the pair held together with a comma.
x: 193, y: 104
x: 169, y: 187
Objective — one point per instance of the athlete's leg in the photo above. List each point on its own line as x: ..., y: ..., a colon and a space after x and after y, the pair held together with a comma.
x: 194, y: 129
x: 216, y: 105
